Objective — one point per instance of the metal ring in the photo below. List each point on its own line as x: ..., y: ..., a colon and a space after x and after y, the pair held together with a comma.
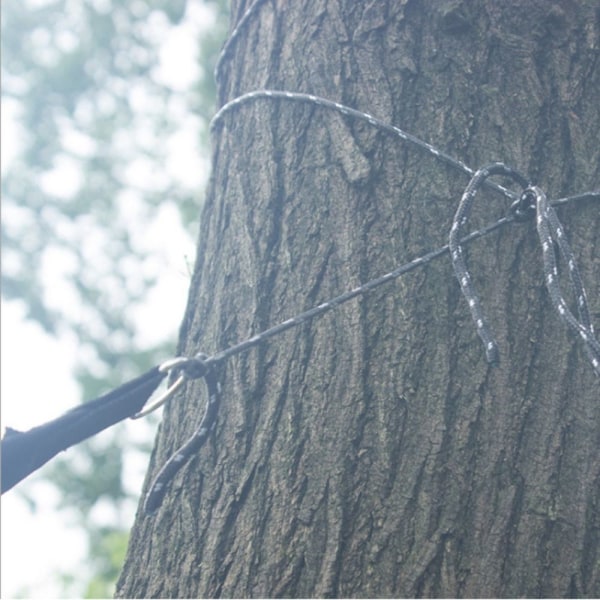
x: 192, y: 368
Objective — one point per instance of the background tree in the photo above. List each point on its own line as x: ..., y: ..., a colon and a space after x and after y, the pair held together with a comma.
x: 92, y: 188
x: 374, y: 452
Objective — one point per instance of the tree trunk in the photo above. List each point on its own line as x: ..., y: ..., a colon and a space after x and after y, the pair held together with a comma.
x: 373, y: 452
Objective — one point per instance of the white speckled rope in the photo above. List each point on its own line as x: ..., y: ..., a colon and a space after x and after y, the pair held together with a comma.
x: 547, y: 225
x: 160, y: 484
x: 549, y: 228
x: 227, y: 50
x: 298, y: 97
x: 203, y: 366
x: 249, y: 98
x: 456, y: 252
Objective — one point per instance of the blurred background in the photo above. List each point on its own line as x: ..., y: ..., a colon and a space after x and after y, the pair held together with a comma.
x: 105, y: 155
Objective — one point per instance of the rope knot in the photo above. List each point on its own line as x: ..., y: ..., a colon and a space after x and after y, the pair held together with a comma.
x: 532, y: 201
x: 523, y: 208
x: 195, y: 367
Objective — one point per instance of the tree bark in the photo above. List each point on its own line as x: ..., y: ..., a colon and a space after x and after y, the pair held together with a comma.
x: 373, y: 452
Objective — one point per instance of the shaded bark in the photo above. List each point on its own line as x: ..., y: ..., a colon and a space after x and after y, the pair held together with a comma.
x: 374, y: 453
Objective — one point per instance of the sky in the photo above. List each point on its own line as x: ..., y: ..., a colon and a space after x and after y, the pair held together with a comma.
x: 37, y: 382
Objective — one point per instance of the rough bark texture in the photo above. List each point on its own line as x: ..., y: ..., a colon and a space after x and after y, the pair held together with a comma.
x: 373, y: 453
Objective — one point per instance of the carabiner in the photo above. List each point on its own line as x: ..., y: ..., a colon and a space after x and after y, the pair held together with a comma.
x: 191, y: 368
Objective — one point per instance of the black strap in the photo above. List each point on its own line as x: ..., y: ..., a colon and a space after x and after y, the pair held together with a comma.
x: 23, y: 452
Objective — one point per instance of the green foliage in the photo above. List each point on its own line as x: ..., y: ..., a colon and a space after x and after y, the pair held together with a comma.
x: 91, y: 173
x: 93, y: 115
x: 112, y: 548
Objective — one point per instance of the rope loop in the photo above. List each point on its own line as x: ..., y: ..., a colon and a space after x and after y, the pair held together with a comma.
x: 463, y: 211
x: 160, y: 484
x: 550, y: 231
x: 532, y: 201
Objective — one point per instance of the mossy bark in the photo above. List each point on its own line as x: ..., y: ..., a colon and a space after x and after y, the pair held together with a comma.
x: 373, y: 452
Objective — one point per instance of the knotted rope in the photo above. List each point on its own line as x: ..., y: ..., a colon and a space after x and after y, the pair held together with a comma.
x: 524, y: 205
x: 24, y: 452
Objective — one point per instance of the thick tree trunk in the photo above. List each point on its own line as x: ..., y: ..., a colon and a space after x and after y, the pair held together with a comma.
x: 373, y: 452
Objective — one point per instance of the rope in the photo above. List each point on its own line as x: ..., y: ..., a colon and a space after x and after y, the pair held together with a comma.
x: 203, y: 366
x: 530, y: 202
x: 227, y: 50
x: 549, y: 227
x: 160, y: 484
x: 245, y: 99
x: 456, y: 252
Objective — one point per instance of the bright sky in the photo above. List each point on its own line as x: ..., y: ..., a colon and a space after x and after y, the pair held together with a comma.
x: 37, y: 382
